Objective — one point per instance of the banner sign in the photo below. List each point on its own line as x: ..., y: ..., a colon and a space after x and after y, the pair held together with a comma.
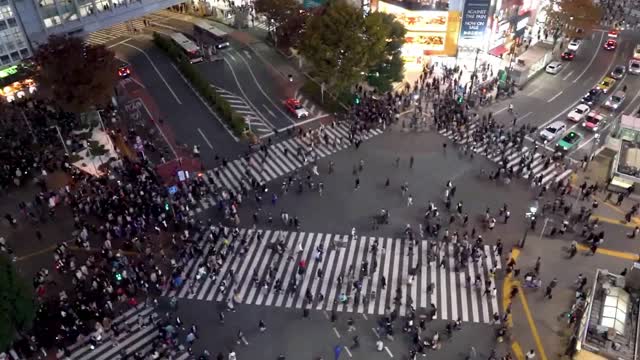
x: 474, y: 19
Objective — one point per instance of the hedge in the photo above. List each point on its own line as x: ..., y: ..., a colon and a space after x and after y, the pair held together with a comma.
x: 217, y: 102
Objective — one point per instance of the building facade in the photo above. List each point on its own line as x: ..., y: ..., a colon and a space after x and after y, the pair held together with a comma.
x: 26, y: 23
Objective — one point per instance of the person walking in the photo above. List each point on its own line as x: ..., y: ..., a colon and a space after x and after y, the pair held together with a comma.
x: 262, y: 326
x: 351, y: 325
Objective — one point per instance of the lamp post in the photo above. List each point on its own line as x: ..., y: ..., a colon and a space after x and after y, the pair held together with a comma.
x: 474, y: 75
x: 530, y: 216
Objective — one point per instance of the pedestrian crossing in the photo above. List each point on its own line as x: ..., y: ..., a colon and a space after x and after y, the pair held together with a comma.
x: 255, y: 121
x: 388, y: 275
x: 139, y: 334
x: 540, y: 171
x: 125, y: 29
x: 314, y: 110
x: 282, y: 160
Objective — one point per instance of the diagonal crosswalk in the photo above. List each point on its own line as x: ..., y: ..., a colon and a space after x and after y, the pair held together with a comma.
x: 253, y: 267
x: 140, y: 334
x: 257, y: 124
x: 282, y: 160
x: 531, y: 166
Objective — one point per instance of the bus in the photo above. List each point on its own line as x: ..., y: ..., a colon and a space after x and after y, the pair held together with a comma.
x: 206, y: 32
x: 188, y: 47
x: 636, y: 52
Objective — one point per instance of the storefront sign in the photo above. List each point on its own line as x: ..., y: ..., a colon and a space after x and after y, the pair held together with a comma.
x: 417, y: 20
x: 12, y: 70
x: 429, y: 41
x: 475, y: 18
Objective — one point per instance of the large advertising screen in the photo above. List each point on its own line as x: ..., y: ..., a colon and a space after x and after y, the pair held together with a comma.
x: 429, y: 33
x: 475, y: 19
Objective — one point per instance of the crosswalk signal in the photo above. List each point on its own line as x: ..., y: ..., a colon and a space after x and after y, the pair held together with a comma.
x: 166, y: 206
x: 460, y: 99
x: 118, y: 276
x: 356, y: 99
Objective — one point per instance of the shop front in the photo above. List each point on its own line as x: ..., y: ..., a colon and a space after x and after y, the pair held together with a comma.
x: 16, y: 82
x: 430, y: 33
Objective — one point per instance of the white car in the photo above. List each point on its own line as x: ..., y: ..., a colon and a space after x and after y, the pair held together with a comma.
x: 554, y: 67
x: 574, y: 45
x: 615, y: 100
x: 578, y: 113
x: 634, y: 67
x: 552, y: 131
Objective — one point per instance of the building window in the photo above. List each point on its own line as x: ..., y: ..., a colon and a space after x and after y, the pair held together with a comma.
x: 5, y: 59
x: 52, y: 21
x: 5, y: 12
x: 4, y: 2
x: 24, y: 53
x: 12, y: 22
x: 15, y: 56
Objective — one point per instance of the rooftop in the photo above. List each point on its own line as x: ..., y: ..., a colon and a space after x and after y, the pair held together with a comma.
x: 612, y: 318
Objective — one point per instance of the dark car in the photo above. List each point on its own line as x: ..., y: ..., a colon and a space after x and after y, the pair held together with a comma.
x: 123, y: 70
x: 592, y: 97
x: 568, y: 55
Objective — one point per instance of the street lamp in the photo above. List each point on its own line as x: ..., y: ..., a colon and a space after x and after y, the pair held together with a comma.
x: 530, y: 216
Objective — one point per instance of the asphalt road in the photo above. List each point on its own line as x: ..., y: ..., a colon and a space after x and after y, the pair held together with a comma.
x: 549, y: 98
x: 192, y: 122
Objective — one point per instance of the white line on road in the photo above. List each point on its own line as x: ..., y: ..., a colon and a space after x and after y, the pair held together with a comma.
x: 336, y: 332
x: 555, y: 96
x: 262, y: 90
x: 303, y: 122
x: 118, y: 43
x: 568, y: 75
x: 245, y: 341
x: 535, y: 90
x: 205, y: 138
x: 501, y: 110
x: 269, y: 111
x: 231, y: 56
x: 206, y: 105
x: 592, y: 59
x: 326, y: 314
x: 524, y: 116
x: 375, y: 332
x: 159, y: 129
x: 156, y: 69
x: 246, y: 52
x: 348, y: 352
x: 235, y: 77
x: 388, y: 351
x: 365, y: 316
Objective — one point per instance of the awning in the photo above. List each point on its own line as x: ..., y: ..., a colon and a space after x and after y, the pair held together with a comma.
x: 498, y: 51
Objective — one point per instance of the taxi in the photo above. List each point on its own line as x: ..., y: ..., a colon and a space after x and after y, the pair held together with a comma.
x: 606, y: 84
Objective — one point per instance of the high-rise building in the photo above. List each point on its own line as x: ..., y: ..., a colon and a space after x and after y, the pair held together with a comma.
x: 26, y: 23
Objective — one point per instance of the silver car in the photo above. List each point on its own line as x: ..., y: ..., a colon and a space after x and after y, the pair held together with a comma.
x: 615, y: 100
x: 553, y: 130
x: 634, y: 67
x: 554, y: 67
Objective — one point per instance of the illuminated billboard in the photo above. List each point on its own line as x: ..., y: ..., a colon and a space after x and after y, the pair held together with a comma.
x: 429, y: 33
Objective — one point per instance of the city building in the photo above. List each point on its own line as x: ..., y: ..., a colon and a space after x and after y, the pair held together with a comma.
x: 608, y: 328
x: 625, y: 144
x: 26, y: 23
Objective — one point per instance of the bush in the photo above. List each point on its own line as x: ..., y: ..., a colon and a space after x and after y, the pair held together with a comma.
x: 208, y: 93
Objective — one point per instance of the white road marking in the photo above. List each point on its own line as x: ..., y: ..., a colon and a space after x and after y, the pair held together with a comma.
x: 525, y: 116
x: 231, y: 56
x: 501, y: 110
x: 269, y: 111
x: 535, y: 90
x: 160, y: 130
x: 262, y: 90
x: 336, y: 332
x: 246, y: 52
x: 388, y: 351
x: 118, y: 43
x: 156, y: 69
x: 205, y: 138
x: 206, y: 105
x: 555, y: 96
x: 365, y: 316
x: 568, y: 75
x: 375, y: 332
x: 592, y: 59
x: 348, y: 352
x: 326, y: 314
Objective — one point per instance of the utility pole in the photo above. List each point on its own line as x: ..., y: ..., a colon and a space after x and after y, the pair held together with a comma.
x: 474, y: 75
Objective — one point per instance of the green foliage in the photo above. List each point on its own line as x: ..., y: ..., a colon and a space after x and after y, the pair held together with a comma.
x: 571, y: 16
x: 17, y: 306
x: 208, y: 93
x: 96, y: 149
x: 277, y: 11
x: 390, y: 68
x: 75, y: 75
x: 344, y: 46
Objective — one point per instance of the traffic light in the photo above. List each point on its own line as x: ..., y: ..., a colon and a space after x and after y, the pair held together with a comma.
x: 356, y: 99
x: 460, y: 99
x: 118, y: 276
x: 166, y: 206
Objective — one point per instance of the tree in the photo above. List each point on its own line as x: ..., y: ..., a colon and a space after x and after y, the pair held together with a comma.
x: 342, y: 45
x: 95, y: 148
x: 75, y: 75
x: 289, y: 33
x: 277, y: 11
x: 17, y: 306
x: 390, y: 68
x: 572, y: 17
